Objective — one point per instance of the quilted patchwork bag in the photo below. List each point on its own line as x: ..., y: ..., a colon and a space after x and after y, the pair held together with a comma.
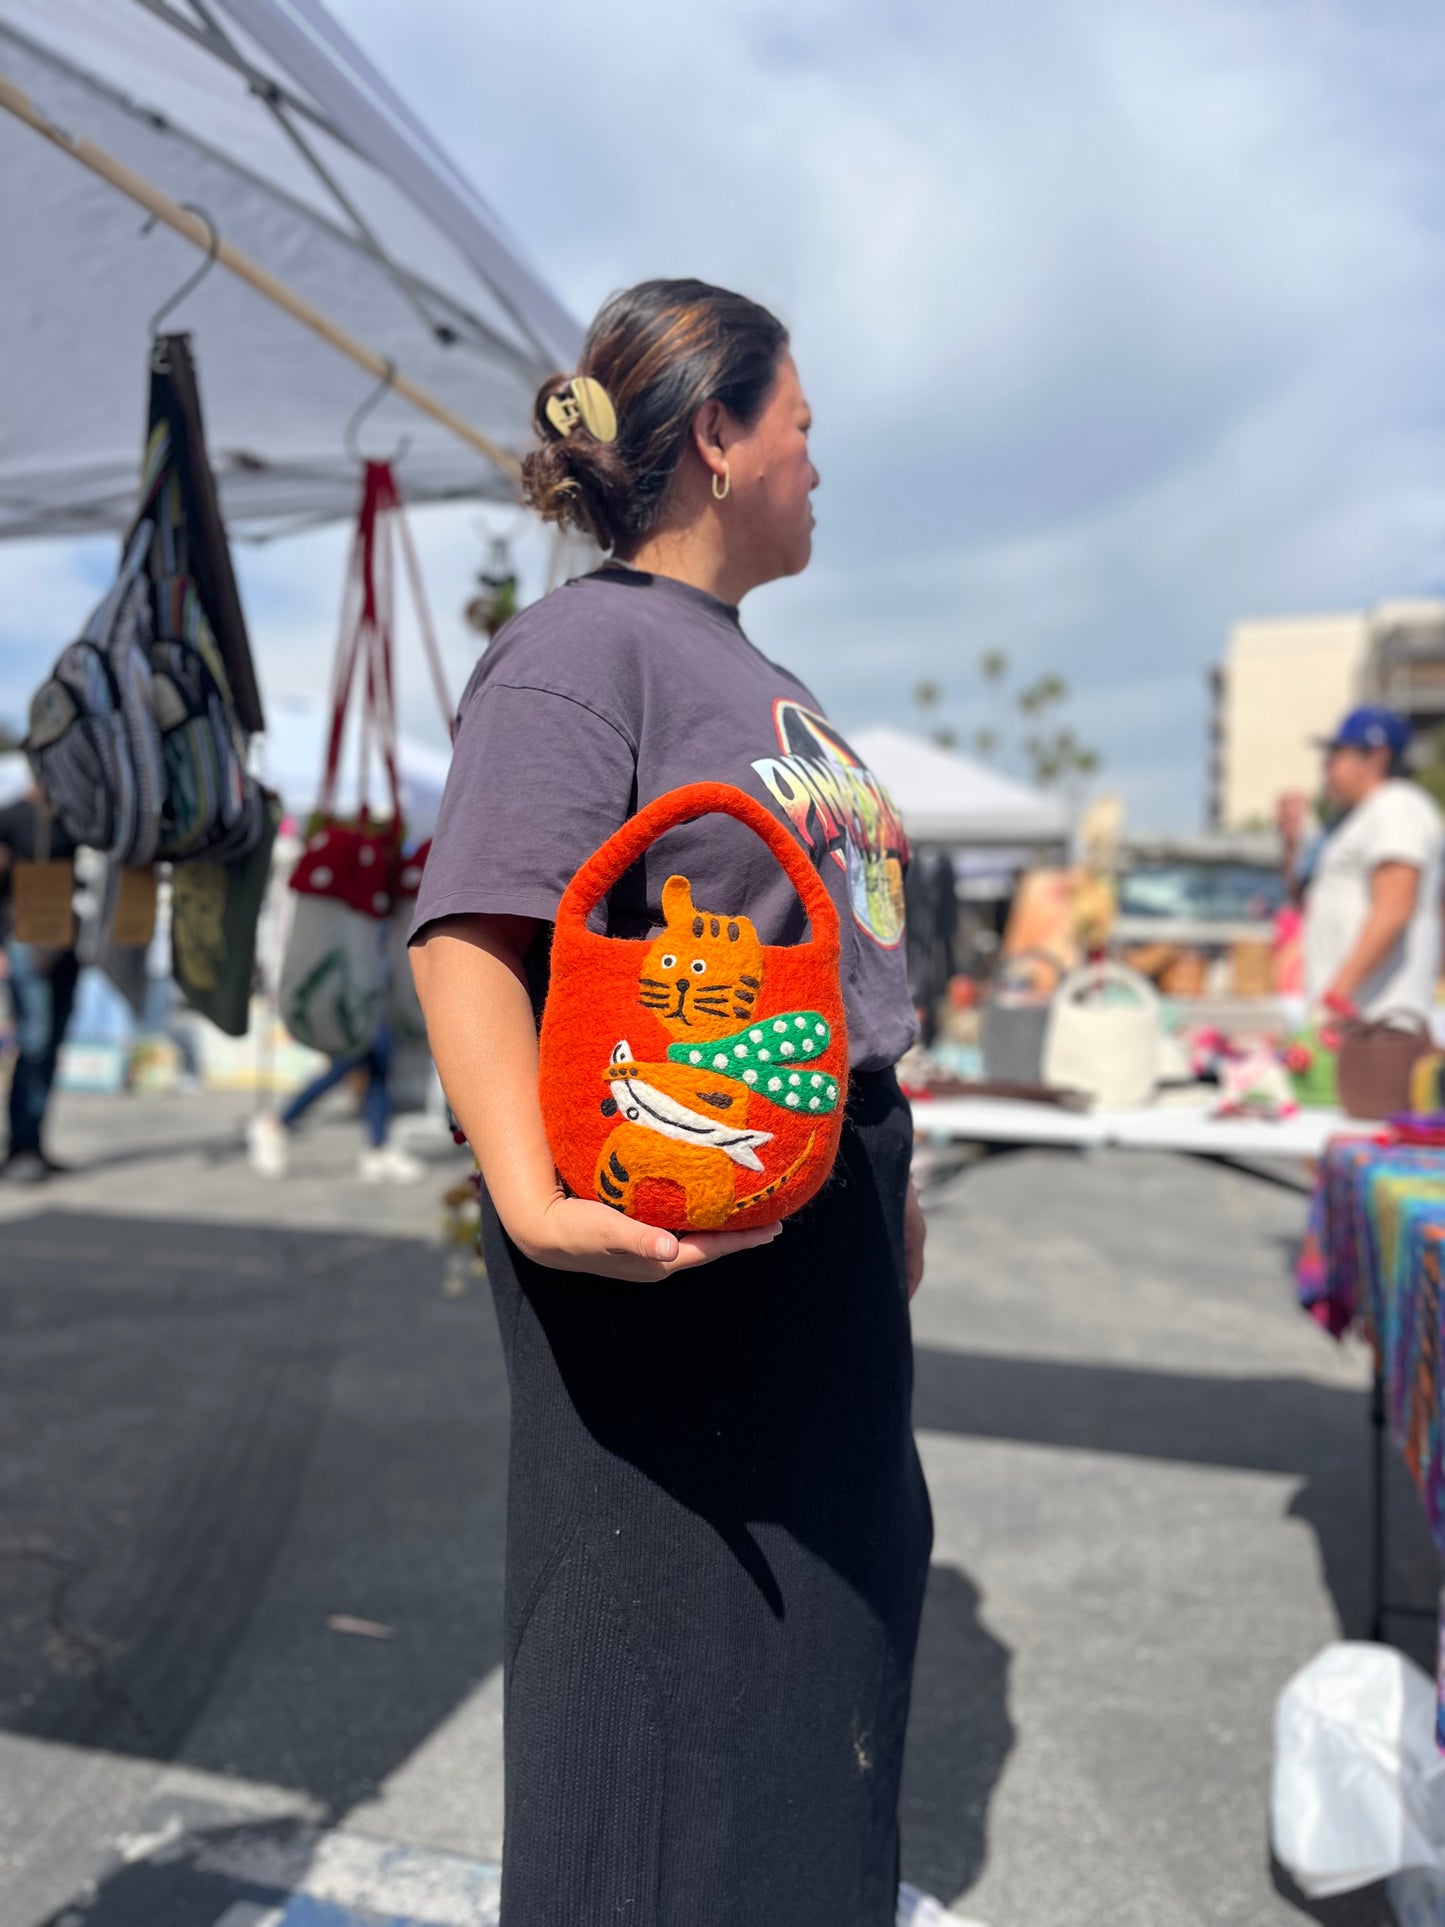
x: 93, y: 743
x: 696, y: 1079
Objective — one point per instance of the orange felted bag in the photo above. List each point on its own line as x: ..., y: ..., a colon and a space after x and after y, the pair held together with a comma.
x: 694, y: 1080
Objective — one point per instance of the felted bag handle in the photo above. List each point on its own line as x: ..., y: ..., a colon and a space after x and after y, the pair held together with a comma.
x: 603, y: 870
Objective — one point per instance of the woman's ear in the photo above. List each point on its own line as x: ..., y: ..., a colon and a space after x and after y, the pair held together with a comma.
x: 709, y: 437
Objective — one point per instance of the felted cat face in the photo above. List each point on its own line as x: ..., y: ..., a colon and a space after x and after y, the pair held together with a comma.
x: 703, y: 974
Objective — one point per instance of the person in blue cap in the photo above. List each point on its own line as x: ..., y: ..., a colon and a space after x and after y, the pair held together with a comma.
x: 1372, y: 905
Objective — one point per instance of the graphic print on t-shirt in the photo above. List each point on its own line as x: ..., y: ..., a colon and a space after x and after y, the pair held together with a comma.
x: 840, y: 809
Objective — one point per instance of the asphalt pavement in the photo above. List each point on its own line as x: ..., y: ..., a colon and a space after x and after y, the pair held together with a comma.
x: 252, y: 1468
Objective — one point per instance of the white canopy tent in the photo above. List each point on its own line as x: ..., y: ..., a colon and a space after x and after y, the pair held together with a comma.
x: 944, y: 798
x: 267, y: 120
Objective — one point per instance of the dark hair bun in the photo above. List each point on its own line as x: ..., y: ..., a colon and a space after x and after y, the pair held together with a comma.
x: 574, y: 479
x: 661, y: 350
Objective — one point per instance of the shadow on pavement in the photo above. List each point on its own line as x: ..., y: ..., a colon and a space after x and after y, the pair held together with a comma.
x: 959, y: 1737
x: 1318, y: 1433
x: 178, y: 1886
x: 216, y: 1437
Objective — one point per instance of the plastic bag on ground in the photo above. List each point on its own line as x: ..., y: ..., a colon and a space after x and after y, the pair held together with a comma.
x: 1359, y: 1784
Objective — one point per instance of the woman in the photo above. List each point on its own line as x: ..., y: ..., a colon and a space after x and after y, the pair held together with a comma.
x: 718, y: 1530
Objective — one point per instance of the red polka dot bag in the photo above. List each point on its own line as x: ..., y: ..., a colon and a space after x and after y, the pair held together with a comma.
x: 333, y: 990
x: 694, y: 1080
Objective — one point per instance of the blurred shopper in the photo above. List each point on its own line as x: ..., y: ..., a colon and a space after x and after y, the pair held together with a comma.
x: 41, y: 983
x: 1372, y: 897
x: 268, y: 1132
x: 717, y: 1525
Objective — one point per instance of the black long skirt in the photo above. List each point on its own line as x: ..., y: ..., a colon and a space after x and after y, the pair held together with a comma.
x: 718, y: 1540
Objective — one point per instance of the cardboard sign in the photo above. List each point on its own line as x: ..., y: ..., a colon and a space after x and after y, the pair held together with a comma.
x: 135, y: 909
x: 43, y: 913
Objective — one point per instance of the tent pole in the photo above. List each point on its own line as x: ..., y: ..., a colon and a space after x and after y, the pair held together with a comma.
x: 195, y: 230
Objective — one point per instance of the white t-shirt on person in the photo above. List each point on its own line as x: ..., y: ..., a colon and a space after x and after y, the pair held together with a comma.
x: 1396, y: 823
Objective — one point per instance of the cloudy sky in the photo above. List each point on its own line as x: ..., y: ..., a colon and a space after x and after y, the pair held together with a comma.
x: 1119, y: 319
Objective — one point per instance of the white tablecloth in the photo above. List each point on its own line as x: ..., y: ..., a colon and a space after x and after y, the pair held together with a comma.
x: 1158, y: 1127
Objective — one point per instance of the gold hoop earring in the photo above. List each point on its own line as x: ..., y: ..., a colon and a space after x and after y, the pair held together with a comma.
x: 721, y: 494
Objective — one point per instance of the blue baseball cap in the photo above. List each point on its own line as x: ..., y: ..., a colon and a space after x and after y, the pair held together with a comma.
x: 1370, y: 727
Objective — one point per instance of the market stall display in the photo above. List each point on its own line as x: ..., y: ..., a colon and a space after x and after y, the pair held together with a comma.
x: 256, y: 172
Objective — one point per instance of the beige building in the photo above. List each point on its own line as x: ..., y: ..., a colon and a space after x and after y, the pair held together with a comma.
x: 1285, y: 682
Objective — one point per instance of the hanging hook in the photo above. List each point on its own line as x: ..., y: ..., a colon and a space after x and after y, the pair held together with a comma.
x: 192, y: 280
x: 359, y: 414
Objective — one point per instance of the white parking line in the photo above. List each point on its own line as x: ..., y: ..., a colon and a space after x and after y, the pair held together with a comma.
x: 408, y: 1884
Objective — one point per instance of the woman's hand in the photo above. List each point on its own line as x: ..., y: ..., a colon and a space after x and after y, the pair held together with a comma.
x: 471, y: 978
x: 915, y: 1231
x: 573, y: 1234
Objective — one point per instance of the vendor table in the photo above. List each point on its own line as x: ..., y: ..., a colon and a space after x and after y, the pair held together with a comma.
x: 1186, y: 1127
x: 1372, y: 1260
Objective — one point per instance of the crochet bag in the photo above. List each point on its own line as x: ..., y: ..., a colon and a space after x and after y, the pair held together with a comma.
x: 93, y: 744
x: 1107, y: 1048
x: 694, y: 1080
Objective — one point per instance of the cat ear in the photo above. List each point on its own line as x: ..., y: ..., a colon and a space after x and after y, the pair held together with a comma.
x: 676, y: 899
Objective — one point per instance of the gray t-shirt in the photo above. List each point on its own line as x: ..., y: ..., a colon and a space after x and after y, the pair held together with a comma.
x: 1396, y: 823
x: 617, y: 688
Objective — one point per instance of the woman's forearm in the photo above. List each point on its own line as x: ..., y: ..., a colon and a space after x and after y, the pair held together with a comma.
x: 470, y: 979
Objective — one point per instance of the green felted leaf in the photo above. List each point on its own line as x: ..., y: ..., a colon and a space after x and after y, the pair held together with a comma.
x: 776, y: 1057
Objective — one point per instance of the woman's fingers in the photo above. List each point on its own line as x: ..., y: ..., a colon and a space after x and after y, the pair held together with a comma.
x: 702, y: 1247
x: 578, y: 1235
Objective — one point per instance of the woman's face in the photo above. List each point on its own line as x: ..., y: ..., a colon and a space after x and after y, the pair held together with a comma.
x: 772, y: 479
